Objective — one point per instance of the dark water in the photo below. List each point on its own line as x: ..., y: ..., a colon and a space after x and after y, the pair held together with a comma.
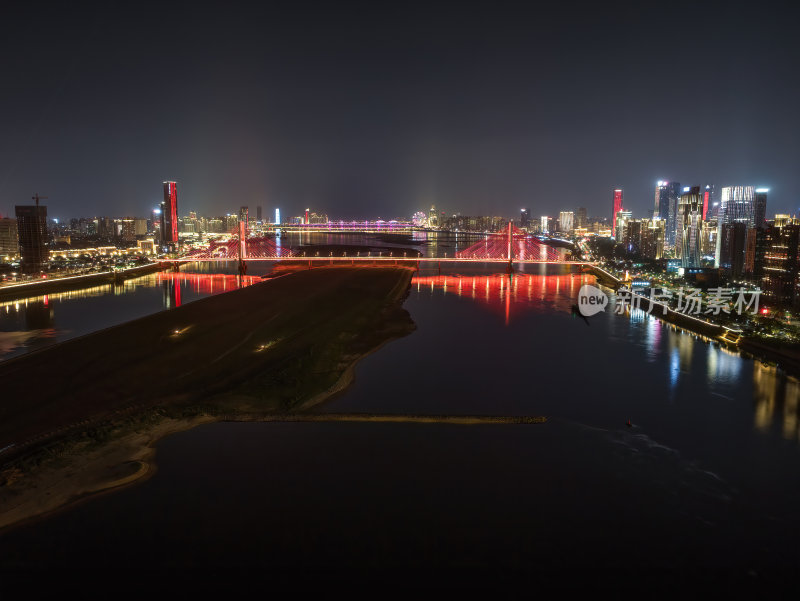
x: 706, y: 481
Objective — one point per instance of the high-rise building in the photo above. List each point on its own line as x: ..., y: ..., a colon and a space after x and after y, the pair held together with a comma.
x: 689, y: 227
x: 127, y: 229
x: 277, y: 216
x: 524, y: 218
x: 652, y: 242
x: 617, y: 209
x: 781, y: 264
x: 737, y: 205
x: 9, y: 238
x: 169, y: 216
x: 32, y: 232
x: 580, y: 217
x: 258, y: 213
x: 565, y: 221
x: 620, y: 219
x: 666, y: 208
x: 307, y: 217
x: 433, y: 217
x: 760, y: 211
x: 546, y: 224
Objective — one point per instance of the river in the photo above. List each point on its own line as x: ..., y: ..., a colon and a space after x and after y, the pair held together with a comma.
x: 705, y: 477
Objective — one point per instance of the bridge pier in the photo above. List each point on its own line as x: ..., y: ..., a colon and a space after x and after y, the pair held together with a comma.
x: 242, y: 267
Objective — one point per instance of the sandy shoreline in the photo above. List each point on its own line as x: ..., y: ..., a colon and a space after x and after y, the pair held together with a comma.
x: 109, y: 447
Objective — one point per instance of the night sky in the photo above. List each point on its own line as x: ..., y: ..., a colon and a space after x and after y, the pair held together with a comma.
x: 377, y: 110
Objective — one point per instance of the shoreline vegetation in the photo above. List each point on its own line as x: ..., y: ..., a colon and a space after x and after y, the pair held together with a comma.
x: 787, y: 359
x: 83, y: 417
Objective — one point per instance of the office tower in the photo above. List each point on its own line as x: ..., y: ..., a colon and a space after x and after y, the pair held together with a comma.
x: 666, y: 208
x: 631, y: 236
x: 760, y: 210
x: 258, y: 213
x: 737, y: 205
x: 545, y: 224
x: 169, y: 216
x: 620, y: 219
x: 524, y: 218
x: 127, y: 229
x: 780, y: 264
x: 617, y: 209
x: 433, y: 217
x: 565, y: 221
x: 243, y: 214
x: 652, y: 242
x: 9, y: 238
x: 277, y: 216
x: 32, y: 232
x: 580, y: 217
x: 689, y: 227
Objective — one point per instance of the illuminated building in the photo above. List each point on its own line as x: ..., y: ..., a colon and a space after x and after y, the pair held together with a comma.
x: 32, y: 232
x: 760, y: 210
x: 9, y: 238
x: 169, y: 216
x: 666, y: 208
x: 737, y: 205
x: 619, y: 223
x: 565, y: 221
x: 524, y: 218
x: 781, y: 262
x: 306, y: 221
x: 617, y: 209
x: 277, y: 216
x: 433, y: 217
x: 652, y: 241
x: 580, y: 217
x: 689, y: 227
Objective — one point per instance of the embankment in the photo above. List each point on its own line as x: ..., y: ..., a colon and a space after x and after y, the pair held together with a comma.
x: 53, y: 285
x: 83, y: 416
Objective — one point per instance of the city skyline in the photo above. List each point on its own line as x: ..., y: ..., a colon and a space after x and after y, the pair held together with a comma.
x: 382, y: 112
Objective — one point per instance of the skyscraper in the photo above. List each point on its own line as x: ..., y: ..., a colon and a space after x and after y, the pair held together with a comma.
x: 689, y: 227
x: 617, y: 209
x: 566, y: 221
x: 737, y: 205
x: 760, y: 211
x: 580, y: 217
x: 32, y: 231
x: 524, y: 218
x: 277, y: 216
x: 169, y: 216
x: 666, y: 208
x: 258, y: 213
x: 9, y: 237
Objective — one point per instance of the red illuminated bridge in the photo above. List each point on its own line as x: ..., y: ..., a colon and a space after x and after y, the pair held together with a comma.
x: 512, y: 246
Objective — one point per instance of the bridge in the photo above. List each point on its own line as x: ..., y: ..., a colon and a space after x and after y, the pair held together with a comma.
x: 511, y: 246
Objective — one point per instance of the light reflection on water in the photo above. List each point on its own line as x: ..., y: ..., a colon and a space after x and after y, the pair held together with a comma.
x: 35, y: 322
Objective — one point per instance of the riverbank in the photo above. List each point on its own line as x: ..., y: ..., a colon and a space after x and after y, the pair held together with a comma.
x: 787, y: 359
x: 108, y: 397
x: 53, y: 285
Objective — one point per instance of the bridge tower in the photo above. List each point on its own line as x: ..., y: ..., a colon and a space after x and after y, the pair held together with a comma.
x: 510, y: 268
x: 242, y: 245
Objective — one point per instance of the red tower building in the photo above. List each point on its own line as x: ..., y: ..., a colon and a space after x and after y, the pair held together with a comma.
x: 169, y: 215
x: 617, y: 209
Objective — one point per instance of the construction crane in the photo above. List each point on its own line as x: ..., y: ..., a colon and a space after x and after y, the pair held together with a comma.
x: 37, y: 198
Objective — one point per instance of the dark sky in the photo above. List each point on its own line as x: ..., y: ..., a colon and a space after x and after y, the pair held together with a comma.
x: 381, y: 109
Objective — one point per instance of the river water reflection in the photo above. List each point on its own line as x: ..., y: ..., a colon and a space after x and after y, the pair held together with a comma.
x: 706, y: 475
